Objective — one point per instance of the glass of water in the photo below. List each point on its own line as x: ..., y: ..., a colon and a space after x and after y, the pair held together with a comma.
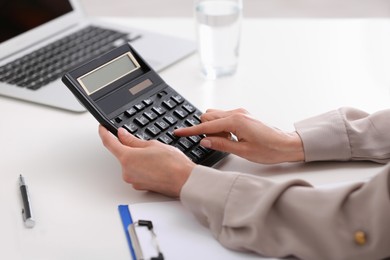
x: 218, y: 32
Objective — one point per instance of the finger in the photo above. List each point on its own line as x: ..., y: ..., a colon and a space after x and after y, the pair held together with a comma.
x: 213, y: 114
x: 222, y: 144
x: 223, y: 135
x: 210, y: 127
x: 130, y: 140
x: 110, y: 141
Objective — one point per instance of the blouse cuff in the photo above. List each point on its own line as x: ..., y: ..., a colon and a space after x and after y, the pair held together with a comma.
x: 205, y: 194
x: 324, y: 137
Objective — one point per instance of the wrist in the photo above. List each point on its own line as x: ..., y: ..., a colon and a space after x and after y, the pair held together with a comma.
x: 181, y: 178
x: 294, y: 148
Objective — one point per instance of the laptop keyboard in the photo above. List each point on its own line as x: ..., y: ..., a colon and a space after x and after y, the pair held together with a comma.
x: 49, y: 63
x: 158, y: 115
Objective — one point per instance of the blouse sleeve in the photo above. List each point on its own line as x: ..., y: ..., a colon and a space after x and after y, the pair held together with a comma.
x: 250, y: 213
x: 346, y: 134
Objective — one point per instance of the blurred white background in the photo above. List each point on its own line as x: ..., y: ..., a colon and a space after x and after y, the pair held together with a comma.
x: 252, y: 8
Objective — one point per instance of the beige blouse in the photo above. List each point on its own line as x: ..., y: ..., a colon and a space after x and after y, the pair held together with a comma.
x: 250, y: 213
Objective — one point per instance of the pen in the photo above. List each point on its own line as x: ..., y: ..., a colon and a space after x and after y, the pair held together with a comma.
x: 27, y: 210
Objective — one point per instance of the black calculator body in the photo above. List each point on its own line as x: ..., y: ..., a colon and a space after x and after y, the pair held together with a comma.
x: 121, y: 90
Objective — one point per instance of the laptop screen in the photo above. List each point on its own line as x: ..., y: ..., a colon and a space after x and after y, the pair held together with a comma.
x: 19, y: 16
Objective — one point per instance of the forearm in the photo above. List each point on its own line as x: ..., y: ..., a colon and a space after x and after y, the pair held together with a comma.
x: 346, y: 134
x: 246, y: 212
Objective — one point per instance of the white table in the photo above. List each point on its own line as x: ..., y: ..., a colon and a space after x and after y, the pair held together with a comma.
x: 289, y: 70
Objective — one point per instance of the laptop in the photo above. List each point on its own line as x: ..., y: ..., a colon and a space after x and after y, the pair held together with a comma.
x: 41, y: 40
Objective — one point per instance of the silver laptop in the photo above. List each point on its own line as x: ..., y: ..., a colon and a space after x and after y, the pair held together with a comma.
x: 41, y: 40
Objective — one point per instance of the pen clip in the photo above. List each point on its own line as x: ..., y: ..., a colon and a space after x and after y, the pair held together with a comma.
x: 27, y: 215
x: 24, y: 215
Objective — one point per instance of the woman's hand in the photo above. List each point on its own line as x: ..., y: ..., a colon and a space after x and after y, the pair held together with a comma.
x: 254, y: 141
x: 148, y: 165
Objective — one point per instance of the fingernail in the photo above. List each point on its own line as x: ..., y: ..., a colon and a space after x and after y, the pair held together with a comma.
x: 205, y: 143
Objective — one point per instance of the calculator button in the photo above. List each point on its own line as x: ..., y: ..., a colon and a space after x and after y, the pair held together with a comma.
x: 198, y: 153
x: 204, y: 149
x: 169, y: 103
x: 141, y: 120
x: 130, y: 112
x: 139, y: 106
x: 148, y: 102
x: 161, y: 94
x: 180, y: 113
x: 179, y: 126
x: 150, y: 115
x: 159, y: 110
x: 119, y: 119
x: 165, y: 139
x: 185, y: 143
x: 170, y: 120
x: 162, y: 124
x: 197, y: 116
x: 153, y: 130
x: 172, y: 135
x: 143, y: 136
x: 189, y: 108
x: 195, y: 138
x: 179, y: 99
x: 132, y: 128
x: 191, y: 122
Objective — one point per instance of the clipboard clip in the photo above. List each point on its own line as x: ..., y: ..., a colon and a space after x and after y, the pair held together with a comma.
x: 135, y: 241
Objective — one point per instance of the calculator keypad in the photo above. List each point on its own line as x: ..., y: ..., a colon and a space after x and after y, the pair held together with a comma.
x: 157, y: 116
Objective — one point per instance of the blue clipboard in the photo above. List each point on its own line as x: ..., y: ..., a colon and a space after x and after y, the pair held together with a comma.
x: 172, y: 222
x: 126, y: 221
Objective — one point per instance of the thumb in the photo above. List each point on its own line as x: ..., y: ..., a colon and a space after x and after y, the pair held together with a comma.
x: 130, y: 140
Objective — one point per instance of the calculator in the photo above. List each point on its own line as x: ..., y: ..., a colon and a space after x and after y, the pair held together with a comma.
x: 121, y: 90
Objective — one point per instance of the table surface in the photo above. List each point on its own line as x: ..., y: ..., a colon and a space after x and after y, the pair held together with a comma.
x: 289, y: 69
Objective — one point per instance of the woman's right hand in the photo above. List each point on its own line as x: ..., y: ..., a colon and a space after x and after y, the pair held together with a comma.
x: 253, y: 140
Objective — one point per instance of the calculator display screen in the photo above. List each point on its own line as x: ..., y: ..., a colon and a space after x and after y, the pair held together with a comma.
x: 108, y: 73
